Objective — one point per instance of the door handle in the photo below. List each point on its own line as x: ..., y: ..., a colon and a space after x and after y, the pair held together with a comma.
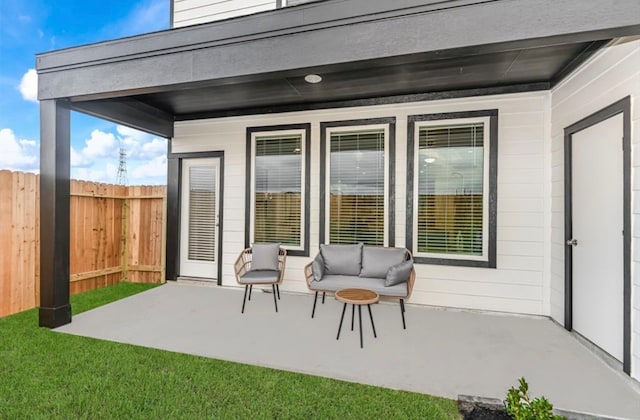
x: 572, y: 242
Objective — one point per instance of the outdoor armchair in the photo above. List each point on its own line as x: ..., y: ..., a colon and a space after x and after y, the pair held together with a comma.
x: 262, y: 264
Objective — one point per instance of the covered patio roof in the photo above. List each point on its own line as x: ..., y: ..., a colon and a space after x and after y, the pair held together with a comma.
x: 363, y: 49
x: 367, y: 51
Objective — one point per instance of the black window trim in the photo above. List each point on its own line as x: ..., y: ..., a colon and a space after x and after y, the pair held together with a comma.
x: 391, y: 199
x: 493, y: 185
x: 304, y: 252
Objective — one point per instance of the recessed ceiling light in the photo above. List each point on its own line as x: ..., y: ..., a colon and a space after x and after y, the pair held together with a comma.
x: 313, y: 78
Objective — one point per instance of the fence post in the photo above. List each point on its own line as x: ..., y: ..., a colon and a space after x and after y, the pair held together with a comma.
x: 163, y: 255
x: 124, y: 240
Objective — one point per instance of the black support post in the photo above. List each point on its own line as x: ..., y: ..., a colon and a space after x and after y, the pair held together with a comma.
x: 55, y: 151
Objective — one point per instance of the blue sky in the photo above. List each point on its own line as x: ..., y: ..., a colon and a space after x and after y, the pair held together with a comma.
x: 28, y: 27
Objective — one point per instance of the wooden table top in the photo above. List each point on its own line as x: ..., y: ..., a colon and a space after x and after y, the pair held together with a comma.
x: 357, y: 296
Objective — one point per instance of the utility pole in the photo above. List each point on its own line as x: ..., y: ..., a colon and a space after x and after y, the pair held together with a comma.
x: 121, y: 179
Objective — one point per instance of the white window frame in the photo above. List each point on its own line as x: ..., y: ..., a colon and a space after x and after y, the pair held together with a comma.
x: 303, y: 151
x: 327, y: 197
x: 485, y: 187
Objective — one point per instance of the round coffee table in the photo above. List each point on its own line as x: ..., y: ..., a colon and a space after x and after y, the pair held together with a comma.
x: 357, y: 297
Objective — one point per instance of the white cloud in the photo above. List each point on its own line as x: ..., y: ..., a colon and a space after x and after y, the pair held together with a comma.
x: 97, y: 160
x: 111, y: 171
x: 89, y: 174
x: 17, y: 154
x: 155, y: 168
x: 78, y: 160
x: 134, y: 134
x: 107, y: 173
x: 155, y: 148
x: 140, y: 145
x: 29, y: 86
x: 100, y: 144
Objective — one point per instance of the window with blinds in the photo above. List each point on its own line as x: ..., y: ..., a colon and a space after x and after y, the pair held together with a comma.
x: 357, y: 187
x: 451, y: 209
x: 202, y: 213
x: 278, y: 184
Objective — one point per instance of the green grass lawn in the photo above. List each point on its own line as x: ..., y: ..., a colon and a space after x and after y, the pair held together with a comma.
x: 47, y: 375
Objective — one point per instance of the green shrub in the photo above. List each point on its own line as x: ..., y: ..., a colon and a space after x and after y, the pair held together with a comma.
x: 521, y: 407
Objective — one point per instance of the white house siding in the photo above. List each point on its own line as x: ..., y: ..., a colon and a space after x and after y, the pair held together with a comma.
x: 518, y: 284
x: 191, y: 12
x: 609, y: 76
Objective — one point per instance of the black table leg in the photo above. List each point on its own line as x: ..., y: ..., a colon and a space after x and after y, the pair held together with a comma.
x: 353, y: 312
x: 344, y: 307
x: 372, y: 324
x: 360, y: 317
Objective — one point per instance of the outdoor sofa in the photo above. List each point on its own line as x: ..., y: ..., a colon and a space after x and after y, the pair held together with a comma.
x: 384, y: 270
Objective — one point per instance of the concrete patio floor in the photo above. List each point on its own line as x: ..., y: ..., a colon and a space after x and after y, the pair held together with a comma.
x: 442, y: 352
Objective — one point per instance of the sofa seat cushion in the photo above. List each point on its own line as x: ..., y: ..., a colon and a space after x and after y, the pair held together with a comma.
x: 377, y: 260
x: 342, y: 259
x: 260, y: 277
x: 333, y: 283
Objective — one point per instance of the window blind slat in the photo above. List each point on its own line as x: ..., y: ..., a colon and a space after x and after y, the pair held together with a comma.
x: 450, y: 184
x: 202, y: 214
x: 278, y: 189
x: 356, y: 207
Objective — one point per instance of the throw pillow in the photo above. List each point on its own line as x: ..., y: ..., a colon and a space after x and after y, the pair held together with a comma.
x: 317, y: 267
x: 264, y: 256
x: 398, y: 273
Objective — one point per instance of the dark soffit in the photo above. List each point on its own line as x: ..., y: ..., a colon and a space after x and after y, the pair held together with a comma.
x: 422, y: 73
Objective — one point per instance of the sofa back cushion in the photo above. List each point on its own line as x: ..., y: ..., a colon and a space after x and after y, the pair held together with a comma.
x: 342, y: 259
x: 376, y: 261
x: 317, y: 267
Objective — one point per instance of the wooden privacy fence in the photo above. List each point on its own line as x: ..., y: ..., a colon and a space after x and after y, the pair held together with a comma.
x: 117, y: 234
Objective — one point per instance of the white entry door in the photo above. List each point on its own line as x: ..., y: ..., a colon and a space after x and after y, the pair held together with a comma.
x: 597, y: 212
x: 200, y: 203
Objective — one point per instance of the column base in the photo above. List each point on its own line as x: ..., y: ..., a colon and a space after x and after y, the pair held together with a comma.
x: 55, y: 317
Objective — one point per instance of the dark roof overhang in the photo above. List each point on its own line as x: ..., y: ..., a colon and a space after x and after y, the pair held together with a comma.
x: 364, y: 49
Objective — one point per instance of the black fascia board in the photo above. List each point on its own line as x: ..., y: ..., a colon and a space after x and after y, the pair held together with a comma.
x: 314, y: 34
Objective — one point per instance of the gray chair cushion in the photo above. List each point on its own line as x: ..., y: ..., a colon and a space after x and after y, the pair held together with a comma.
x: 260, y: 277
x: 317, y: 267
x: 399, y: 273
x: 264, y: 256
x: 376, y: 261
x: 333, y: 283
x: 342, y: 259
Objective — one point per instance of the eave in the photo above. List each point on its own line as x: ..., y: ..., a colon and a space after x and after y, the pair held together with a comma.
x: 366, y: 49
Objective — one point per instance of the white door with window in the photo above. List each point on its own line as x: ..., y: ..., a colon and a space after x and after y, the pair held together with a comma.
x: 199, y: 222
x: 597, y: 220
